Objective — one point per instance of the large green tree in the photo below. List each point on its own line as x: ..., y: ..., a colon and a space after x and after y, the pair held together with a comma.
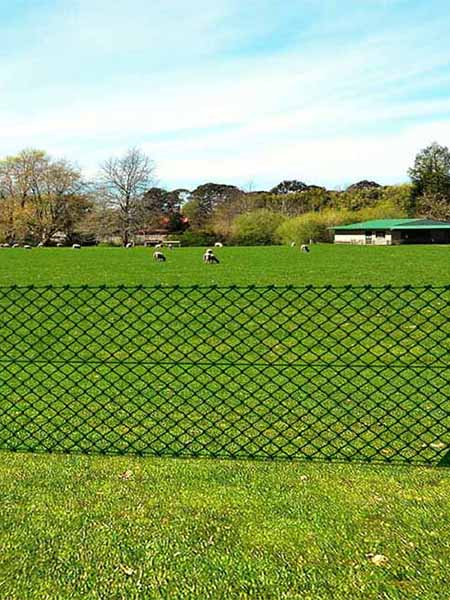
x: 431, y: 171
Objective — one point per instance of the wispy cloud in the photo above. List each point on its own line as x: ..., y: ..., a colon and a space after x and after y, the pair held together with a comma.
x: 229, y: 90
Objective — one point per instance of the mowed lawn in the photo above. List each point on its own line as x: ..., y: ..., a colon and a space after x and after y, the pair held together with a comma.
x: 127, y: 527
x: 325, y: 264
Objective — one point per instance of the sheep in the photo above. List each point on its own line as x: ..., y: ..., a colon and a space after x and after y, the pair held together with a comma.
x: 76, y: 246
x: 129, y: 245
x: 40, y: 245
x: 170, y: 246
x: 16, y: 245
x: 59, y: 245
x: 27, y: 247
x: 5, y: 245
x: 293, y: 244
x: 304, y: 248
x: 218, y: 245
x: 159, y: 256
x: 158, y: 246
x: 209, y: 257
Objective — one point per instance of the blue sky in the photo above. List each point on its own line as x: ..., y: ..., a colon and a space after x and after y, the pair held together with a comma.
x: 250, y: 93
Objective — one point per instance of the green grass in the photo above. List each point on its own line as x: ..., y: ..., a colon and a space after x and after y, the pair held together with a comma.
x: 76, y: 528
x: 326, y: 264
x: 72, y: 527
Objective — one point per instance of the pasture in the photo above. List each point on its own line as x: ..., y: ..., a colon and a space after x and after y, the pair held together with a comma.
x: 324, y: 265
x: 94, y: 527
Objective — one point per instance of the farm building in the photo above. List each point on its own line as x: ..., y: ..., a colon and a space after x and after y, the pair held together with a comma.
x: 385, y: 232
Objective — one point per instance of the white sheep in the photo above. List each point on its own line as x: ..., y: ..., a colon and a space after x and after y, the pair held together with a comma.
x: 129, y: 245
x: 5, y: 245
x: 293, y: 244
x: 218, y: 245
x: 16, y: 245
x: 304, y: 248
x: 209, y: 257
x: 159, y: 256
x: 40, y: 245
x: 27, y: 247
x: 76, y: 246
x: 59, y: 245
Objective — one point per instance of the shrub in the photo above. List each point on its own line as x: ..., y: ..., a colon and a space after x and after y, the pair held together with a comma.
x: 196, y: 237
x: 256, y: 228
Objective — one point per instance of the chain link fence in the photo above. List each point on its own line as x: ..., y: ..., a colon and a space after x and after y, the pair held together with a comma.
x: 331, y: 373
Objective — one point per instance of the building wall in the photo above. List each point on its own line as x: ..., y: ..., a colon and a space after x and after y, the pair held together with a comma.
x: 353, y: 237
x: 363, y: 238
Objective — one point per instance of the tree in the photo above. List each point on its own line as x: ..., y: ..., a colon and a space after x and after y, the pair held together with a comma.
x: 289, y: 187
x: 39, y: 195
x: 124, y: 181
x: 209, y: 196
x: 433, y: 206
x: 363, y: 185
x: 257, y: 228
x: 431, y: 171
x: 163, y: 209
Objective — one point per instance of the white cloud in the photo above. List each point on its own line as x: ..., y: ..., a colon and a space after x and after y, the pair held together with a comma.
x: 321, y: 110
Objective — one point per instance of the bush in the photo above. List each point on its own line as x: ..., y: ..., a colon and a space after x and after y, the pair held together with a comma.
x: 257, y: 228
x: 199, y: 237
x: 316, y: 226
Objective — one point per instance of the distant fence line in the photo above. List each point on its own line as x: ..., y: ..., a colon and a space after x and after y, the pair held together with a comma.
x: 330, y: 373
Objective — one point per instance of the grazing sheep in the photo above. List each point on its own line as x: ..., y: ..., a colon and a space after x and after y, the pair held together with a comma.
x: 293, y: 244
x: 129, y: 245
x: 59, y: 245
x: 159, y: 256
x: 5, y: 245
x: 76, y: 246
x: 16, y: 245
x: 27, y: 247
x: 209, y: 257
x: 304, y: 248
x: 218, y: 245
x: 40, y: 245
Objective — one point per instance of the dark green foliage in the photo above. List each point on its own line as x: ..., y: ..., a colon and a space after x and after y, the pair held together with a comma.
x: 431, y: 171
x: 197, y: 238
x: 289, y: 187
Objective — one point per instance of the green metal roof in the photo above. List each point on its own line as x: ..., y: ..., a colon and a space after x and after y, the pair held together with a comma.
x: 396, y: 224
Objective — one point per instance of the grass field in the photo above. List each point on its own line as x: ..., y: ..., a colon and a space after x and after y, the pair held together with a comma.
x: 326, y: 264
x: 97, y: 527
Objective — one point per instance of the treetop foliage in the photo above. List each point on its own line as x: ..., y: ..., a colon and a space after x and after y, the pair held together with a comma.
x: 42, y: 197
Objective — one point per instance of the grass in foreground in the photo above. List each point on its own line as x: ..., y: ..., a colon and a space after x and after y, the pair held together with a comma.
x: 326, y: 264
x: 102, y: 527
x: 78, y: 527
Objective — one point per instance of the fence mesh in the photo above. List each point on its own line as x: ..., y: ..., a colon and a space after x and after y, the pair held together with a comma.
x: 325, y: 373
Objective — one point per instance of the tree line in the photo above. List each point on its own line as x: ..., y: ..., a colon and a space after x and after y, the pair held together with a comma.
x: 42, y: 197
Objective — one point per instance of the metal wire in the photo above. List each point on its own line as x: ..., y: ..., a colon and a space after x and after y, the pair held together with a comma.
x: 331, y: 373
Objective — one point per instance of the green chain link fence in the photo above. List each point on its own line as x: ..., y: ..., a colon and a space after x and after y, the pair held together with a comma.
x: 331, y: 373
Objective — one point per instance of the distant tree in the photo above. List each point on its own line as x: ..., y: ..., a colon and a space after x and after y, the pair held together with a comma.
x: 433, y: 206
x: 40, y: 195
x: 431, y: 171
x: 363, y: 185
x: 208, y: 197
x: 163, y: 209
x: 256, y: 228
x: 124, y: 181
x: 289, y: 187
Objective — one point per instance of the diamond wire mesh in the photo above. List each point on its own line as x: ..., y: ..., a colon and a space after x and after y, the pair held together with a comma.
x: 327, y: 373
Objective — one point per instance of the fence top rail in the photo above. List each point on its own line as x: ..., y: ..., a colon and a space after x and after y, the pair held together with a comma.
x: 225, y: 287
